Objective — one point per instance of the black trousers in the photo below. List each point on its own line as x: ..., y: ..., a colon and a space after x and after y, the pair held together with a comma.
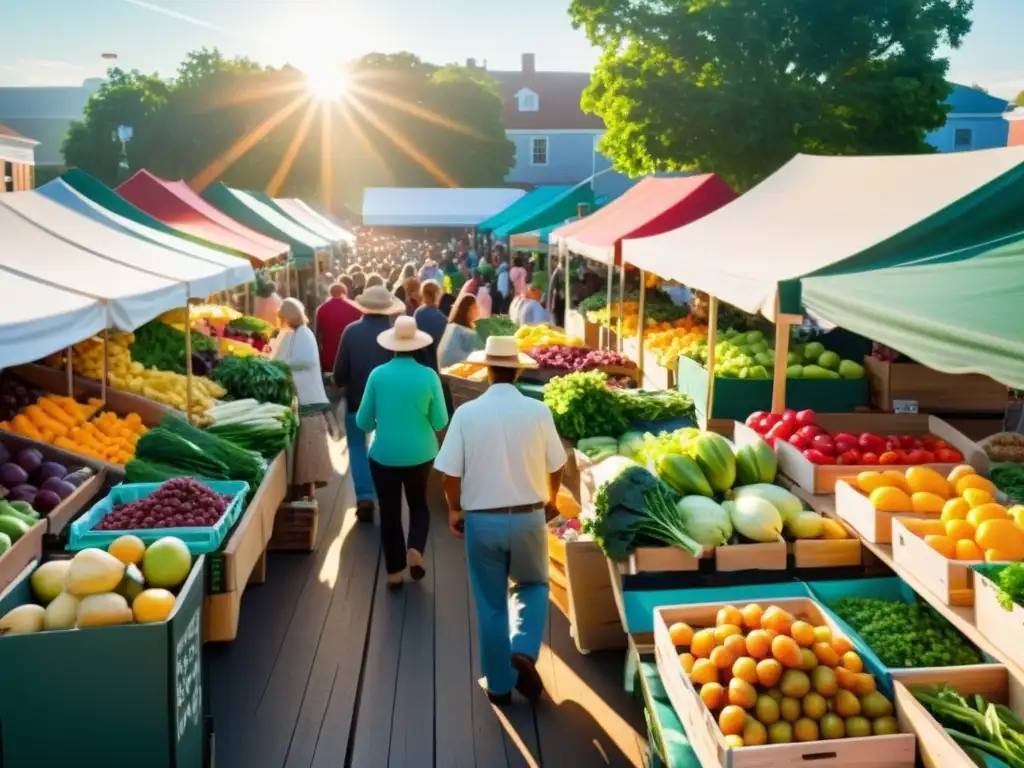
x: 389, y: 482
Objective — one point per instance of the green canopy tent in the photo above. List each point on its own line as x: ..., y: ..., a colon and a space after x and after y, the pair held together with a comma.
x: 552, y: 211
x: 529, y: 202
x: 539, y: 239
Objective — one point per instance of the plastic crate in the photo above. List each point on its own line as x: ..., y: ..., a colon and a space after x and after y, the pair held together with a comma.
x: 200, y: 541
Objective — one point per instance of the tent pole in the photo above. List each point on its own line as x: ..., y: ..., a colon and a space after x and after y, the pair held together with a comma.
x: 567, y: 285
x: 106, y: 366
x: 246, y: 308
x: 70, y: 371
x: 783, y: 325
x: 622, y: 298
x: 188, y: 361
x: 608, y: 303
x: 712, y: 334
x: 641, y: 309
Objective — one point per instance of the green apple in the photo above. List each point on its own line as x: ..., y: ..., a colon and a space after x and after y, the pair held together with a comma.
x: 813, y: 351
x: 851, y: 370
x: 829, y: 360
x: 795, y: 372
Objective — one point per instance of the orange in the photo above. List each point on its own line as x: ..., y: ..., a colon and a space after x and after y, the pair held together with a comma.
x: 802, y: 632
x: 1004, y: 535
x: 955, y: 509
x: 960, y: 472
x: 741, y: 693
x: 974, y: 481
x: 960, y: 529
x: 731, y: 720
x: 736, y: 644
x: 891, y: 500
x: 968, y: 550
x: 153, y: 605
x: 729, y: 614
x: 751, y: 616
x: 826, y: 654
x: 787, y: 652
x: 841, y: 644
x: 998, y: 556
x: 768, y: 672
x: 723, y: 631
x: 686, y: 661
x: 759, y: 644
x: 980, y: 514
x: 722, y: 657
x: 845, y: 678
x: 745, y: 669
x: 944, y: 545
x: 713, y: 695
x: 925, y: 503
x: 976, y: 497
x: 924, y: 527
x: 852, y: 662
x: 777, y: 619
x: 703, y: 643
x: 927, y: 480
x: 703, y: 672
x: 128, y: 549
x: 680, y: 633
x: 863, y: 683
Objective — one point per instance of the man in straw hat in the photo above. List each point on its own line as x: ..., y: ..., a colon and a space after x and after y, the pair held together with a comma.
x: 502, y: 463
x: 358, y: 354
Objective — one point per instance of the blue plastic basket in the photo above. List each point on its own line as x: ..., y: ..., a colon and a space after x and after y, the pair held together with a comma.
x: 200, y: 541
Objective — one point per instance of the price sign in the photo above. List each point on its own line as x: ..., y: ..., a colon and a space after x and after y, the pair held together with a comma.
x: 188, y: 705
x: 904, y: 406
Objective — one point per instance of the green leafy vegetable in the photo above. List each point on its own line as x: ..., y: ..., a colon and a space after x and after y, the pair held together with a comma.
x: 1010, y: 581
x: 158, y: 345
x: 256, y: 377
x: 974, y: 723
x: 654, y: 405
x: 496, y: 325
x: 583, y: 406
x: 1009, y: 478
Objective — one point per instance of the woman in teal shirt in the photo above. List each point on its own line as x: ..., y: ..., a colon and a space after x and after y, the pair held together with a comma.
x: 403, y: 405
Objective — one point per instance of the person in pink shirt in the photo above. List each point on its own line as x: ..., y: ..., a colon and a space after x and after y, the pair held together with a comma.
x: 518, y: 277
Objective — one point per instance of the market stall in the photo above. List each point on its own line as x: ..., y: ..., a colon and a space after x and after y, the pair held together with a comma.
x: 535, y: 199
x: 558, y: 207
x: 313, y: 221
x: 434, y: 207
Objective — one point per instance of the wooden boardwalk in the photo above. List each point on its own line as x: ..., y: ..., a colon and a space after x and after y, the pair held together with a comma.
x: 331, y: 670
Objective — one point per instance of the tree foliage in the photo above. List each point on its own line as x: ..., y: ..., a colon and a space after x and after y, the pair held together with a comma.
x: 403, y: 123
x: 737, y: 87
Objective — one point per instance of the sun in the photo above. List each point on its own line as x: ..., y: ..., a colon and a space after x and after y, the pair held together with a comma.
x: 328, y: 82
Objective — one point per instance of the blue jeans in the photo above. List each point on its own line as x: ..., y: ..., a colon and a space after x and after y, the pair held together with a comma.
x: 499, y: 547
x: 358, y: 459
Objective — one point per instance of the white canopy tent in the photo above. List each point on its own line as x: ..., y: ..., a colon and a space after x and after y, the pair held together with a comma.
x: 132, y: 297
x: 434, y: 206
x: 118, y: 246
x: 37, y: 319
x: 313, y: 221
x: 237, y: 270
x: 799, y: 220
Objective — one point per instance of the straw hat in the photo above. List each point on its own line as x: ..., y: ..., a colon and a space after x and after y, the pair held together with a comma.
x: 502, y: 352
x: 378, y: 300
x: 404, y: 336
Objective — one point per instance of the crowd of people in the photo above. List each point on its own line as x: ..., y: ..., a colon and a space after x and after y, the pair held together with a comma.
x: 388, y: 319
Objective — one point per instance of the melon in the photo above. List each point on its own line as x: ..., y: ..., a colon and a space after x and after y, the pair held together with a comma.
x: 167, y: 563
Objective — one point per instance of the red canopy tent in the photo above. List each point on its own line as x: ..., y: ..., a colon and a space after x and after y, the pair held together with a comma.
x: 650, y: 208
x: 175, y: 204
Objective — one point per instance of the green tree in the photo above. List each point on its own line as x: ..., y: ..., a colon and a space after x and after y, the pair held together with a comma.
x: 1019, y: 100
x: 737, y: 87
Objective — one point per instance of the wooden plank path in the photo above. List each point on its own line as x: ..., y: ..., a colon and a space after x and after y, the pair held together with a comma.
x: 330, y: 669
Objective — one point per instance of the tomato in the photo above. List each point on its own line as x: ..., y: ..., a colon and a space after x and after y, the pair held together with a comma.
x: 915, y: 456
x: 928, y: 458
x: 891, y: 457
x: 849, y: 457
x: 817, y: 457
x: 781, y: 431
x: 948, y: 456
x: 806, y: 418
x: 755, y: 417
x: 909, y: 442
x: 869, y: 458
x: 929, y: 442
x: 846, y: 442
x: 770, y: 420
x: 789, y: 417
x: 799, y: 442
x: 825, y: 444
x: 809, y: 431
x: 870, y: 443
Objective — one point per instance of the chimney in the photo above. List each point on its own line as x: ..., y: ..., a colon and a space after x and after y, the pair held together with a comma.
x: 529, y: 64
x: 470, y: 63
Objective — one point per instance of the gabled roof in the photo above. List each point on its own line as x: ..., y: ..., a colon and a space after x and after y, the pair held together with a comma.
x: 10, y: 133
x: 559, y: 94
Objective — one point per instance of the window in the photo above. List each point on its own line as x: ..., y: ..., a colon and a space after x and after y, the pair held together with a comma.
x: 8, y: 177
x: 528, y: 101
x: 963, y: 138
x: 539, y: 150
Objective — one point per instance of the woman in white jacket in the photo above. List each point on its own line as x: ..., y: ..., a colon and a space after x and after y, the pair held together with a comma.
x: 297, y: 347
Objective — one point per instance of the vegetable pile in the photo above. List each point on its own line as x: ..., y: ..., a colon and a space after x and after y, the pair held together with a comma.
x: 16, y: 395
x: 906, y: 635
x: 158, y: 345
x: 256, y: 378
x: 28, y: 477
x: 654, y: 405
x: 496, y: 325
x: 566, y: 358
x: 1006, y: 446
x: 1008, y: 478
x: 1010, y: 581
x: 179, y: 503
x: 582, y: 406
x: 532, y: 336
x: 769, y: 677
x: 980, y: 727
x: 749, y: 355
x: 265, y: 428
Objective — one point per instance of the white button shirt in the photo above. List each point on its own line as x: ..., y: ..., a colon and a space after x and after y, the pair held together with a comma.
x: 503, y: 446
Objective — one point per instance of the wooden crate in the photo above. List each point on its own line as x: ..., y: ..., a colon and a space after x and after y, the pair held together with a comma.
x: 932, y: 391
x: 936, y: 747
x: 1003, y: 628
x: 856, y: 509
x: 827, y: 553
x: 295, y: 527
x: 26, y: 549
x: 951, y: 581
x: 463, y: 390
x: 822, y: 479
x: 706, y: 738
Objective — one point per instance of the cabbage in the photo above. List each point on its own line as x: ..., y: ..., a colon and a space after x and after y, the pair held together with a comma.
x: 755, y: 518
x: 788, y: 505
x: 630, y: 444
x: 704, y: 520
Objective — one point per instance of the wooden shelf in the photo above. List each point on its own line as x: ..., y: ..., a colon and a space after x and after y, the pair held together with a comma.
x: 960, y: 617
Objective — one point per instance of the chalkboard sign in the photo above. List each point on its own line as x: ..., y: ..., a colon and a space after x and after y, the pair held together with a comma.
x: 187, y: 679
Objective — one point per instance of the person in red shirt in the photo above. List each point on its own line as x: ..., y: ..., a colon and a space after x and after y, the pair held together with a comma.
x: 332, y: 317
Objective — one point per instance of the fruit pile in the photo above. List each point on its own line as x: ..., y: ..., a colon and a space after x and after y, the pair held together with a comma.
x: 16, y: 395
x: 771, y: 678
x: 749, y: 355
x: 179, y: 503
x: 668, y: 343
x: 128, y: 583
x: 531, y: 336
x: 27, y: 477
x: 801, y: 430
x: 567, y: 358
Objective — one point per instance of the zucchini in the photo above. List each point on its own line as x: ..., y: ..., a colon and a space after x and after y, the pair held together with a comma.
x: 13, y: 527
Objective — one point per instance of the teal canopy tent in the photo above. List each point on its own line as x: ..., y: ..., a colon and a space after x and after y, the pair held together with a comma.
x: 553, y: 210
x: 529, y: 202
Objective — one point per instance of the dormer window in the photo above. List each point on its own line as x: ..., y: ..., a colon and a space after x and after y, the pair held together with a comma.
x: 528, y: 101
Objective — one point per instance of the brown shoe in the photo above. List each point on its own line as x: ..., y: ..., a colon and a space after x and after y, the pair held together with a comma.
x: 364, y: 511
x: 528, y: 683
x: 415, y: 562
x: 396, y: 580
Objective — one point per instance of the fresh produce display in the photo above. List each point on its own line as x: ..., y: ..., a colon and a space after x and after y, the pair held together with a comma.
x: 70, y: 425
x: 749, y: 355
x: 532, y: 336
x: 567, y: 358
x: 801, y: 430
x: 598, y: 448
x: 255, y: 378
x: 583, y: 406
x: 654, y: 405
x: 668, y: 343
x: 16, y: 395
x: 214, y: 313
x: 248, y: 325
x: 496, y: 325
x: 1006, y: 446
x: 906, y: 635
x: 981, y: 728
x: 1010, y: 581
x: 16, y: 519
x: 129, y: 583
x: 1008, y: 478
x: 770, y: 677
x: 265, y: 428
x: 658, y: 308
x: 158, y: 345
x: 27, y: 478
x: 179, y: 503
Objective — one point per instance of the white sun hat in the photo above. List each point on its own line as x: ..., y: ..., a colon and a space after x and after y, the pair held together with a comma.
x: 404, y: 336
x: 502, y: 352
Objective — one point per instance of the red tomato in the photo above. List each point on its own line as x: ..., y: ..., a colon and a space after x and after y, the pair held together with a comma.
x: 948, y: 456
x: 869, y: 458
x: 781, y: 431
x: 755, y: 417
x: 810, y: 430
x: 870, y: 443
x: 846, y: 443
x: 817, y: 457
x: 928, y: 442
x: 849, y: 457
x: 940, y: 444
x: 928, y: 457
x: 799, y: 442
x: 891, y: 457
x: 806, y: 418
x: 916, y: 456
x: 770, y: 420
x: 825, y: 444
x: 910, y: 442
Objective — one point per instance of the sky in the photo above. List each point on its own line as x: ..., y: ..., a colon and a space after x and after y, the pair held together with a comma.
x: 60, y: 42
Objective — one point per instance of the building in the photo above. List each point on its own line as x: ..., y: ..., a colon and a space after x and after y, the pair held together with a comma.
x: 976, y: 120
x: 555, y: 140
x: 17, y: 159
x: 45, y: 114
